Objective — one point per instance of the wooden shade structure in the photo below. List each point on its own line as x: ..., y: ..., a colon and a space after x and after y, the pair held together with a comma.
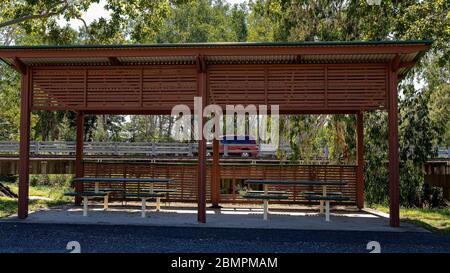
x: 302, y: 78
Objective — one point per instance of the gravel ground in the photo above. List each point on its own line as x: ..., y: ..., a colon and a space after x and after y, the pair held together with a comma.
x: 16, y: 237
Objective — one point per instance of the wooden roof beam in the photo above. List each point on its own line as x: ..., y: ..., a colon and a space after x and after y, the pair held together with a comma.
x: 406, y: 64
x: 200, y: 63
x: 114, y: 61
x: 396, y: 63
x: 19, y: 66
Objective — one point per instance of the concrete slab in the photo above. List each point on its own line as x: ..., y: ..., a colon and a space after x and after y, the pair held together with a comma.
x: 235, y: 216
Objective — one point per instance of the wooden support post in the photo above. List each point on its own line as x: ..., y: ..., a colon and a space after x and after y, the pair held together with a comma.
x: 201, y: 181
x: 394, y: 177
x: 215, y: 185
x: 360, y: 160
x: 201, y: 190
x: 79, y: 172
x: 24, y: 164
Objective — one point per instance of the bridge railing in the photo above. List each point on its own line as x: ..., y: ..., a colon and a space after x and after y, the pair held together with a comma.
x: 149, y: 148
x: 442, y: 152
x: 125, y: 148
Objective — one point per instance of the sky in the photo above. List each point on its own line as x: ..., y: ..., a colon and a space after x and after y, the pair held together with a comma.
x: 96, y: 11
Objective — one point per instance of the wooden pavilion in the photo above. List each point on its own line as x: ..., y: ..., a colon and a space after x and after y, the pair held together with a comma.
x: 302, y: 78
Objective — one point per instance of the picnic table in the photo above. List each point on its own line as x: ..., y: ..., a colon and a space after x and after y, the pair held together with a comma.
x: 267, y: 195
x: 143, y: 195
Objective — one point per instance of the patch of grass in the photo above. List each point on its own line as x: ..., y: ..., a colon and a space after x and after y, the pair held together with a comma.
x: 55, y: 194
x: 8, y: 206
x: 433, y: 219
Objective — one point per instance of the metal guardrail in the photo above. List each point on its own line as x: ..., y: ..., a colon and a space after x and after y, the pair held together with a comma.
x: 443, y: 152
x: 151, y: 148
x: 129, y: 148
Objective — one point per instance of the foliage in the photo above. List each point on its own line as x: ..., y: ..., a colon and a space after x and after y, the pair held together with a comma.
x: 214, y: 21
x: 135, y: 21
x: 437, y: 79
x: 433, y: 197
x: 9, y: 103
x: 440, y: 114
x: 48, y: 180
x: 416, y: 136
x: 302, y: 135
x: 48, y: 196
x: 436, y: 219
x: 375, y: 155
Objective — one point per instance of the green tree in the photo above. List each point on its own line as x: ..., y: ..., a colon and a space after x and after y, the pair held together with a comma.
x: 109, y: 128
x: 375, y: 155
x: 9, y: 104
x: 133, y: 21
x: 203, y: 21
x: 416, y: 136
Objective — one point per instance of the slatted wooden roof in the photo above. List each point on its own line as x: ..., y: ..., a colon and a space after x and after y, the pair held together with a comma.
x: 217, y: 53
x: 299, y: 77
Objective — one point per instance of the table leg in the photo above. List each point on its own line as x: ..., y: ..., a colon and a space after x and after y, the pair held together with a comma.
x: 158, y: 203
x: 85, y: 205
x: 143, y: 207
x: 106, y: 201
x: 266, y: 202
x: 324, y: 193
x: 265, y: 208
x: 327, y: 211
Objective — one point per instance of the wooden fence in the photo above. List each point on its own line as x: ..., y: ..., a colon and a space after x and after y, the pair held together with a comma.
x: 232, y: 175
x: 437, y: 174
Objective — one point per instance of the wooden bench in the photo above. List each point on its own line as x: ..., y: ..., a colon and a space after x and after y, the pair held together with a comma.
x: 310, y: 195
x: 269, y: 192
x: 86, y: 196
x: 109, y: 192
x: 126, y: 188
x: 327, y: 199
x: 332, y: 193
x: 265, y: 196
x: 165, y: 190
x: 144, y: 197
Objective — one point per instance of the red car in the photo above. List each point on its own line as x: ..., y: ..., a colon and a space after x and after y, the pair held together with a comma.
x: 244, y: 146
